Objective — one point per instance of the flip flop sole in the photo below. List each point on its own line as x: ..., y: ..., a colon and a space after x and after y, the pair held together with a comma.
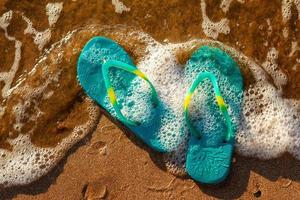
x: 133, y: 101
x: 209, y: 165
x: 208, y: 158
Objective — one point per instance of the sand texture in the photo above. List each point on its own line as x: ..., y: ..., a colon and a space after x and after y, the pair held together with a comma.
x: 80, y: 152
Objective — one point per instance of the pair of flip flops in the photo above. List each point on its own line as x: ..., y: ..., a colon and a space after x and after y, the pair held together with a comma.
x: 108, y: 75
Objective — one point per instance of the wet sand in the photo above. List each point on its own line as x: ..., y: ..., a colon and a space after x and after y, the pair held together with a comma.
x: 125, y: 168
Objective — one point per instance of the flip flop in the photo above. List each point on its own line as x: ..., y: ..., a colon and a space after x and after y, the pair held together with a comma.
x: 108, y: 75
x: 212, y: 127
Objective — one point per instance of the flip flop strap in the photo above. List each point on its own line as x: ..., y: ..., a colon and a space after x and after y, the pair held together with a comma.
x: 219, y: 99
x: 111, y: 92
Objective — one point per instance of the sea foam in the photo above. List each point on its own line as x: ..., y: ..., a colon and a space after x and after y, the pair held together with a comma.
x: 269, y: 123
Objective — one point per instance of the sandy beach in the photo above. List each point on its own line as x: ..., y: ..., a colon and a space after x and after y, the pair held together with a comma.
x: 128, y: 170
x: 106, y: 161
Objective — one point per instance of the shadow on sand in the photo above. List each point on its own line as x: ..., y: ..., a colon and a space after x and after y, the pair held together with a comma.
x: 234, y: 186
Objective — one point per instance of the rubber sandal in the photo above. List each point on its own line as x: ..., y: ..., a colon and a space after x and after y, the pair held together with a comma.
x: 108, y: 75
x: 212, y: 128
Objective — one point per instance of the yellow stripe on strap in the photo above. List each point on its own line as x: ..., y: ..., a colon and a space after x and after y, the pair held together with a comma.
x: 112, y: 96
x: 187, y: 100
x: 140, y: 74
x: 220, y: 101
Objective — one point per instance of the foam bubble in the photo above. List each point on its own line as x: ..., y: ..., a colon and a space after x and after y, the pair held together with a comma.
x: 5, y: 19
x: 53, y: 11
x: 7, y: 77
x: 286, y: 9
x: 226, y: 3
x: 27, y: 161
x: 295, y: 47
x: 119, y: 6
x: 285, y: 32
x: 271, y: 66
x: 269, y: 123
x: 210, y: 28
x: 40, y: 38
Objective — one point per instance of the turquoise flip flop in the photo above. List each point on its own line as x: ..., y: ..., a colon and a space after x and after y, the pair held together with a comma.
x: 108, y: 75
x: 212, y: 123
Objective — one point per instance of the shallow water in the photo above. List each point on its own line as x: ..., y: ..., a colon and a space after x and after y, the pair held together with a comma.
x: 41, y: 99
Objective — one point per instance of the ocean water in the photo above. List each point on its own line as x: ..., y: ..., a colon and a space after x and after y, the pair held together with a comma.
x: 44, y: 112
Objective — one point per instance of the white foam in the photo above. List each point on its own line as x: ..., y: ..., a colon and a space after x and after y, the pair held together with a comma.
x: 119, y: 6
x: 269, y: 123
x: 30, y: 96
x: 5, y: 19
x: 286, y: 9
x: 213, y: 29
x: 225, y: 4
x: 53, y: 11
x: 285, y: 32
x: 40, y: 38
x: 295, y: 47
x: 270, y: 65
x: 8, y: 77
x: 28, y: 162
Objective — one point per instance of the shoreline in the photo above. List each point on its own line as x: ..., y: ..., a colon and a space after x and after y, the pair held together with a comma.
x: 114, y: 162
x: 70, y: 179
